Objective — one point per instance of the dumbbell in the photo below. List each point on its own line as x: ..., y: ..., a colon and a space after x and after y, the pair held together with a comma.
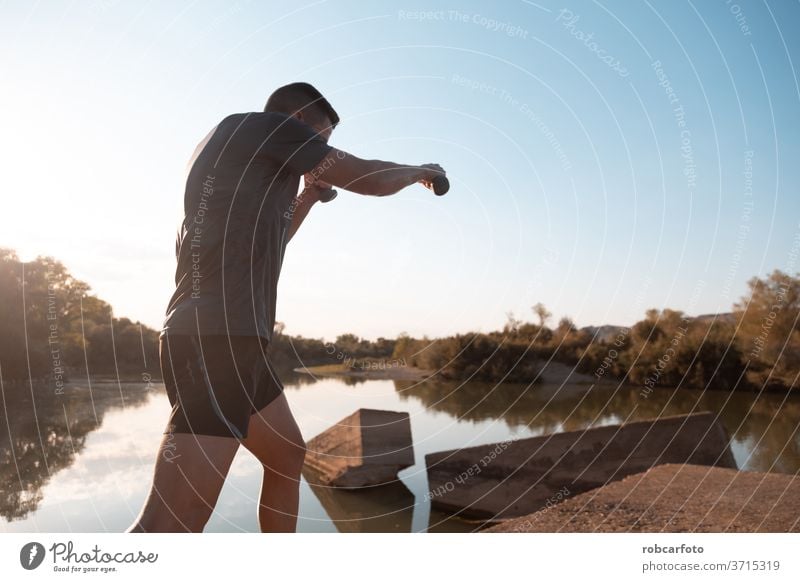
x: 440, y: 185
x: 327, y: 195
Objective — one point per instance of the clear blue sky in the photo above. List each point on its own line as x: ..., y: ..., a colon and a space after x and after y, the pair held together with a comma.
x: 573, y: 181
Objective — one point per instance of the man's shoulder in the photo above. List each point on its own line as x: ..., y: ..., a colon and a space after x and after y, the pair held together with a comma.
x: 260, y: 124
x: 274, y: 117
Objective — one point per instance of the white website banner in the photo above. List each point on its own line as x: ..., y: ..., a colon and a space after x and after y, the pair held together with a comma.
x: 388, y: 557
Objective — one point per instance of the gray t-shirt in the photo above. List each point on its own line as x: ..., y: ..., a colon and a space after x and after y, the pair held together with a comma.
x: 237, y: 211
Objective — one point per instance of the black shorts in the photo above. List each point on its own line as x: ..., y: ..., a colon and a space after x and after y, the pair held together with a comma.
x: 216, y: 382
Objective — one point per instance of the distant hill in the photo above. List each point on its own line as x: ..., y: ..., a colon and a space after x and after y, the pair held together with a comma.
x: 725, y: 317
x: 606, y: 333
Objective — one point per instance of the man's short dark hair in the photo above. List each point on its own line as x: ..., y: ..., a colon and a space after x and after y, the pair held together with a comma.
x: 301, y: 96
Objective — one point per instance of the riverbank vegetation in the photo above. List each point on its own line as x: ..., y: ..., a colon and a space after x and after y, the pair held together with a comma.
x: 53, y: 327
x: 754, y: 347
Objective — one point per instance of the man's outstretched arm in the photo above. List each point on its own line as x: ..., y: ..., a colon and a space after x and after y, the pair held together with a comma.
x: 368, y: 177
x: 371, y: 177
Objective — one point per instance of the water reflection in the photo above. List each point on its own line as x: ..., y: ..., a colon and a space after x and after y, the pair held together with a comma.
x: 81, y: 460
x: 764, y: 427
x: 385, y: 508
x: 43, y: 431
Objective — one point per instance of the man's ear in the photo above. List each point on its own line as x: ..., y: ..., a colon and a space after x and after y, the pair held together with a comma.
x: 298, y: 115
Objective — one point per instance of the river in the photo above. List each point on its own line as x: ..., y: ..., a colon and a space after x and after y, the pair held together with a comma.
x: 82, y: 461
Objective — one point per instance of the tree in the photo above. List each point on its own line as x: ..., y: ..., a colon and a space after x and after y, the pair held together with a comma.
x: 542, y: 313
x: 769, y: 330
x: 50, y: 321
x: 565, y: 326
x: 512, y: 324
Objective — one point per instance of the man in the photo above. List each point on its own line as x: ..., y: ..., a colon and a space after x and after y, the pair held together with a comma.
x: 241, y: 207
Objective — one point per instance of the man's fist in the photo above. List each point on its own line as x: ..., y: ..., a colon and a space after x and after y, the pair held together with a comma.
x: 311, y: 182
x: 432, y: 171
x: 321, y: 191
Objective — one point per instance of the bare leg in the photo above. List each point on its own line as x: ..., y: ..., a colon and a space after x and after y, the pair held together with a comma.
x: 275, y: 439
x: 189, y: 474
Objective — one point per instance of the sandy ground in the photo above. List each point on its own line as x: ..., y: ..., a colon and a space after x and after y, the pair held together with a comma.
x: 676, y: 498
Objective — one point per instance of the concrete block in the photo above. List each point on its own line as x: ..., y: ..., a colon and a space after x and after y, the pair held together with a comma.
x: 515, y: 478
x: 366, y: 448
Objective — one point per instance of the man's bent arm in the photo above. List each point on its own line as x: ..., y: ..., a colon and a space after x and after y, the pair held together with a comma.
x: 370, y: 177
x: 301, y: 205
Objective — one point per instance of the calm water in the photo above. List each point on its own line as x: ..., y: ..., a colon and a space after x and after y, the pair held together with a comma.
x: 99, y: 446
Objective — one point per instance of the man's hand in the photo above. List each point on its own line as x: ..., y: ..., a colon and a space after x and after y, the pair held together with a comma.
x: 313, y: 191
x: 434, y: 170
x: 311, y: 181
x: 313, y: 188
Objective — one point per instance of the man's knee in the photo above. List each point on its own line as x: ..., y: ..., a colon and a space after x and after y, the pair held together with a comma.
x: 300, y: 453
x: 285, y: 461
x: 191, y: 514
x: 294, y: 455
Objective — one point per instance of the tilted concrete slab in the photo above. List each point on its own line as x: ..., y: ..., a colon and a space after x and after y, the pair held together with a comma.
x: 676, y: 498
x: 366, y: 448
x: 515, y: 478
